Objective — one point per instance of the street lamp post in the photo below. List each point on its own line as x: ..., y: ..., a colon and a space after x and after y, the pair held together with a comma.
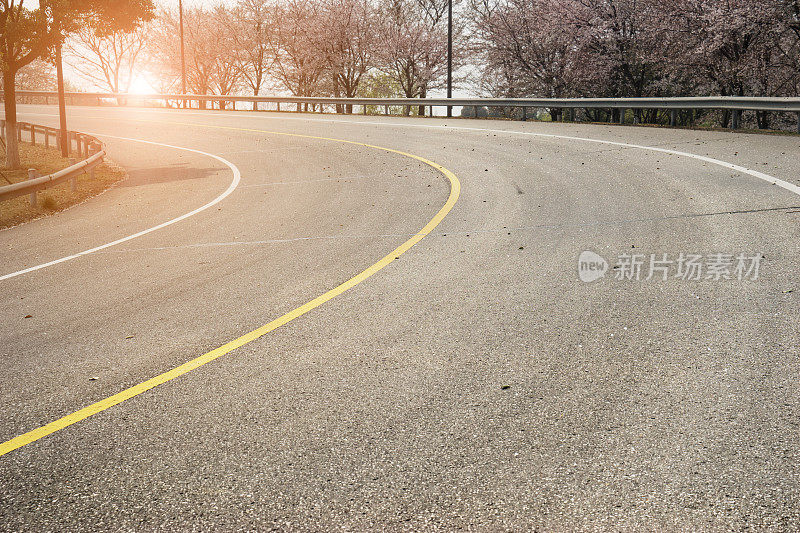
x: 449, y: 54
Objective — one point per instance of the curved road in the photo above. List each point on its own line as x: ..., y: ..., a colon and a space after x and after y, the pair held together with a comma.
x: 474, y: 381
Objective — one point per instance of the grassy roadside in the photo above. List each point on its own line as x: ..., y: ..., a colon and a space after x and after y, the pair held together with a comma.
x: 46, y: 161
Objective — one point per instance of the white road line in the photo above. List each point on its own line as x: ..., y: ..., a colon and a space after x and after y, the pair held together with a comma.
x: 237, y: 176
x: 244, y: 114
x: 302, y: 182
x: 756, y: 174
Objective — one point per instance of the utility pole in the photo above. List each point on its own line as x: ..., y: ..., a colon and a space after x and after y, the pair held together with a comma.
x: 62, y: 105
x: 183, y: 53
x: 449, y: 54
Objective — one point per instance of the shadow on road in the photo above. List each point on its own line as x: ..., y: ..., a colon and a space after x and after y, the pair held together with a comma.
x: 177, y: 172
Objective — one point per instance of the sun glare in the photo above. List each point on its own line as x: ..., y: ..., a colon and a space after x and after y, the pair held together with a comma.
x: 140, y: 85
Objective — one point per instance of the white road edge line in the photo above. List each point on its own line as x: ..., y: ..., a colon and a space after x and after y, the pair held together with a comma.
x: 756, y: 174
x: 237, y: 176
x: 244, y: 114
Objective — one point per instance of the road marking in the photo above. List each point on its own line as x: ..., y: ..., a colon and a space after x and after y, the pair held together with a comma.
x: 303, y: 182
x: 455, y: 189
x: 102, y: 405
x: 237, y: 176
x: 756, y: 174
x: 467, y: 232
x: 244, y: 114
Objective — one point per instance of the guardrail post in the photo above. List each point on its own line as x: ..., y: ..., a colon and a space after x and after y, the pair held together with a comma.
x: 735, y: 118
x: 524, y: 113
x: 47, y: 137
x: 673, y: 117
x: 277, y: 106
x: 32, y: 175
x: 93, y: 149
x: 33, y: 135
x: 20, y: 126
x: 798, y: 122
x: 622, y: 111
x: 73, y: 181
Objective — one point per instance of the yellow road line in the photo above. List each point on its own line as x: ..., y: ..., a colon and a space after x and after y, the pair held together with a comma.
x: 102, y: 405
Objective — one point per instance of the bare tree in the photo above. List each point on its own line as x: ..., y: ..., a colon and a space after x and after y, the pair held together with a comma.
x: 210, y: 58
x: 226, y: 76
x: 251, y: 27
x: 106, y: 60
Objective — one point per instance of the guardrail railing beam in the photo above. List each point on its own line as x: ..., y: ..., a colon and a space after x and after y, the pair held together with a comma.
x: 778, y: 104
x: 561, y: 108
x: 92, y: 148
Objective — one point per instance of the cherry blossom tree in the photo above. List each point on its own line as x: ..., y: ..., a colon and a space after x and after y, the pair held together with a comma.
x: 413, y: 47
x: 639, y: 48
x: 211, y: 59
x: 526, y: 49
x: 251, y: 26
x: 300, y: 63
x: 348, y: 43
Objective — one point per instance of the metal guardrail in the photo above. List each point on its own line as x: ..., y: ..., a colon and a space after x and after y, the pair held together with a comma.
x: 85, y: 146
x: 736, y: 104
x: 744, y: 103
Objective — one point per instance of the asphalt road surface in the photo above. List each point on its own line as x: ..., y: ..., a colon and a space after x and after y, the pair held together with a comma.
x: 473, y: 381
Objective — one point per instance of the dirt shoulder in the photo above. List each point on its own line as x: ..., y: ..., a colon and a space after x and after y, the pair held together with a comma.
x: 46, y: 161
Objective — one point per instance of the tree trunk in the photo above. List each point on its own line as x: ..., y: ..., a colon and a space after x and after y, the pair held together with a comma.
x: 422, y: 93
x: 336, y: 93
x: 10, y: 102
